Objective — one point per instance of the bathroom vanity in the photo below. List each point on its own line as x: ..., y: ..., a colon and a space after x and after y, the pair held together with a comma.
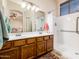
x: 28, y: 37
x: 27, y: 48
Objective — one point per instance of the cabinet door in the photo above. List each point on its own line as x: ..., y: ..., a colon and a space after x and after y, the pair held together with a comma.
x: 41, y: 48
x: 10, y: 54
x: 28, y: 51
x: 49, y: 44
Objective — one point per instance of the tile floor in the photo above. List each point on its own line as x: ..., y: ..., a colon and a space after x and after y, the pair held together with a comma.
x: 49, y: 56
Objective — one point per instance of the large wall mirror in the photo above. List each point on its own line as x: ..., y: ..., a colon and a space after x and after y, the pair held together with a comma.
x: 22, y: 19
x: 15, y: 16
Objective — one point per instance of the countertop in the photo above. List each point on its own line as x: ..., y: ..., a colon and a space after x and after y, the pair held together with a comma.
x: 16, y: 36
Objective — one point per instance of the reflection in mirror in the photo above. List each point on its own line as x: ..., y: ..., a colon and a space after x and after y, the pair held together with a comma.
x: 15, y: 16
x: 24, y: 19
x: 33, y: 21
x: 27, y: 20
x: 40, y: 16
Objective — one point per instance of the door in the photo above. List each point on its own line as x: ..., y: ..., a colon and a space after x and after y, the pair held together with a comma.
x: 49, y: 45
x: 41, y: 48
x: 58, y: 35
x: 28, y: 51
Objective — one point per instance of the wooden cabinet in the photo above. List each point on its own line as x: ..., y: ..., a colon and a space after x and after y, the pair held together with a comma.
x: 12, y: 53
x: 7, y: 45
x: 49, y: 42
x: 28, y: 51
x: 27, y: 48
x: 46, y: 37
x: 41, y: 48
x: 49, y: 45
x: 31, y: 40
x: 39, y: 39
x: 19, y: 43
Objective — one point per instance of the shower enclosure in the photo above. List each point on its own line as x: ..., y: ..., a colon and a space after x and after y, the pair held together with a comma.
x: 67, y: 34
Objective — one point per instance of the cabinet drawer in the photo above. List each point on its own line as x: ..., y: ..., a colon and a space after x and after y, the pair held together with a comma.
x: 46, y: 37
x: 29, y: 41
x: 51, y: 37
x: 19, y: 43
x: 40, y: 39
x: 7, y: 45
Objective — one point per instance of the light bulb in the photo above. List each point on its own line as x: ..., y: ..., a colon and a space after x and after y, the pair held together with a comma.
x: 33, y: 8
x: 23, y: 5
x: 37, y: 9
x: 28, y: 6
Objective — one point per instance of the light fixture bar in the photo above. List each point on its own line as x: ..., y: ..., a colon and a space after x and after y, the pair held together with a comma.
x: 30, y: 3
x: 32, y: 6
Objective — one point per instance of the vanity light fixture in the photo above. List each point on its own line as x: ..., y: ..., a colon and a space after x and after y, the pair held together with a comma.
x: 23, y: 5
x: 37, y: 9
x: 33, y: 8
x: 30, y: 5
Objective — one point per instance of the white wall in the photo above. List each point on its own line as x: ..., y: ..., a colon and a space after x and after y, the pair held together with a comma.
x: 62, y: 1
x: 45, y: 5
x: 0, y: 3
x: 13, y: 6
